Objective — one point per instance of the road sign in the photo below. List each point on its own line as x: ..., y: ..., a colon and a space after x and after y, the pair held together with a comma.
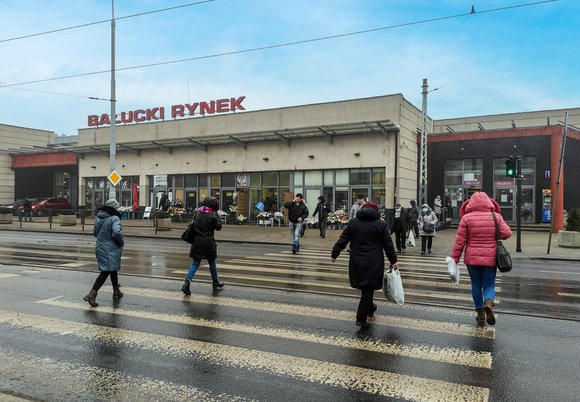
x: 114, y: 177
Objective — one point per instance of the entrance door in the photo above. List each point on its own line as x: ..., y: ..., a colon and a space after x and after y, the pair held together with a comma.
x: 505, y: 197
x: 190, y: 200
x: 311, y: 198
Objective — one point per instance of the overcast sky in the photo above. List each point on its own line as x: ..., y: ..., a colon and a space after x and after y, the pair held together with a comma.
x: 513, y: 60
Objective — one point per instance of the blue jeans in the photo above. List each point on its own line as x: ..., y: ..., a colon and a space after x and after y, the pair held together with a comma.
x: 195, y: 265
x: 482, y: 284
x: 296, y: 230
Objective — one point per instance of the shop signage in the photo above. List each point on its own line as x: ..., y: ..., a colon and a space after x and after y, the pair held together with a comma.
x: 472, y: 183
x: 498, y: 183
x: 177, y: 111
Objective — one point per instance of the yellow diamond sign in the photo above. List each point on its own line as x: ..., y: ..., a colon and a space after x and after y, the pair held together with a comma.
x: 114, y: 177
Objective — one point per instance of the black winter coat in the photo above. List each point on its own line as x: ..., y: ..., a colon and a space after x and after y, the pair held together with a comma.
x: 204, y: 246
x: 322, y: 209
x: 404, y: 220
x: 296, y: 211
x: 369, y: 237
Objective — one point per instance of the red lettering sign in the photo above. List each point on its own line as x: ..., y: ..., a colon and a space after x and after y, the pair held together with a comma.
x: 158, y: 113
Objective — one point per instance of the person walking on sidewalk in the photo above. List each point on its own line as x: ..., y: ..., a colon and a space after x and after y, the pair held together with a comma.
x: 400, y: 226
x: 427, y: 221
x: 206, y: 222
x: 368, y: 236
x: 360, y: 200
x: 476, y: 236
x: 322, y: 209
x: 414, y: 213
x: 108, y: 249
x: 27, y: 209
x: 297, y: 212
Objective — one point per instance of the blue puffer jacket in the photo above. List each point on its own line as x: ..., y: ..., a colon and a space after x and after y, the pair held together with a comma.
x: 109, y: 244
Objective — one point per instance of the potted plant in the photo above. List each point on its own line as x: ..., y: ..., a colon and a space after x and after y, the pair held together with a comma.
x: 240, y: 219
x: 163, y: 219
x: 5, y: 215
x: 67, y: 217
x: 570, y: 236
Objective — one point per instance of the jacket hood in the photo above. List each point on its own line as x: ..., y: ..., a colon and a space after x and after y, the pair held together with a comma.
x: 105, y: 212
x: 479, y: 201
x: 367, y: 214
x: 425, y: 210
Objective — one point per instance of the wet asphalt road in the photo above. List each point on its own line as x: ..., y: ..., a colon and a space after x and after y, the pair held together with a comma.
x: 285, y: 332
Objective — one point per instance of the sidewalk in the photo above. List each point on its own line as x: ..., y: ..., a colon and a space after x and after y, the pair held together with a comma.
x: 533, y: 244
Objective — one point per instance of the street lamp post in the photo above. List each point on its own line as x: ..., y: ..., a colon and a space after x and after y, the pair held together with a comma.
x: 113, y: 144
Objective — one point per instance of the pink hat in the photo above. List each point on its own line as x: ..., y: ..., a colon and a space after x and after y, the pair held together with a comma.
x: 371, y: 205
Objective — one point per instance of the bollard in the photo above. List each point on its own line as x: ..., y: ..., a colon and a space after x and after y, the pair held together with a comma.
x: 20, y: 218
x: 50, y: 219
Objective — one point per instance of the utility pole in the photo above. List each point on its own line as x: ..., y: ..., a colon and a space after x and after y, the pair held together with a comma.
x: 113, y: 144
x: 519, y: 178
x: 423, y: 149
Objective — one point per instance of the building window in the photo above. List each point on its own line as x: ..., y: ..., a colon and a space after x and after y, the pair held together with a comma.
x: 360, y: 177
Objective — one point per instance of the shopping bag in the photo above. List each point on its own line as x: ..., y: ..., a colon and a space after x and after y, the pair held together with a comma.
x: 453, y: 269
x: 411, y: 239
x: 393, y: 286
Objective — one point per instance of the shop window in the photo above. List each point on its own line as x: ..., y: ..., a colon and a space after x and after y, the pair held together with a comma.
x: 378, y: 196
x: 298, y: 179
x: 228, y: 180
x: 285, y: 179
x: 269, y: 179
x: 255, y: 179
x: 360, y: 176
x: 178, y: 180
x: 313, y: 178
x: 378, y: 176
x: 215, y: 180
x: 342, y: 177
x: 342, y: 199
x: 328, y: 178
x: 203, y: 180
x: 190, y: 180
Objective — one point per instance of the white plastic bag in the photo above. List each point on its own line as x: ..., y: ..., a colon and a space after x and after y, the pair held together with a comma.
x: 393, y: 286
x: 453, y: 269
x: 411, y: 239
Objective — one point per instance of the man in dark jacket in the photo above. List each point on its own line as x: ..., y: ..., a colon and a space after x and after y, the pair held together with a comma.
x: 401, y: 227
x: 297, y: 213
x: 413, y: 216
x: 369, y: 237
x: 205, y: 223
x: 322, y: 209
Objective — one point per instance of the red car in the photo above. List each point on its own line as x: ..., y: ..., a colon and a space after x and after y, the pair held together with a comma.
x: 41, y: 206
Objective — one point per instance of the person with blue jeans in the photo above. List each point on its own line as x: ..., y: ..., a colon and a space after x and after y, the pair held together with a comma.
x: 476, y: 235
x: 205, y: 222
x: 297, y: 213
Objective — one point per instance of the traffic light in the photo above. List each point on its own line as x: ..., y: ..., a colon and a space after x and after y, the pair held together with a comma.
x: 510, y: 167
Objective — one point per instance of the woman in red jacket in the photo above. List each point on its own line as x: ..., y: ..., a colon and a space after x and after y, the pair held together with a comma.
x: 476, y: 234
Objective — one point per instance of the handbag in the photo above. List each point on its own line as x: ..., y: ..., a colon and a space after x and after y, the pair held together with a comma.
x: 189, y: 234
x: 393, y: 286
x: 503, y: 259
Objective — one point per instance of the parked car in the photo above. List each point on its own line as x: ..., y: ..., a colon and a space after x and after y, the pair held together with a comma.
x: 41, y: 206
x: 14, y: 206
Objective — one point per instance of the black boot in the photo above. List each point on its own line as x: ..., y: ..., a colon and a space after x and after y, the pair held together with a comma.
x: 217, y: 284
x: 185, y: 288
x: 117, y: 294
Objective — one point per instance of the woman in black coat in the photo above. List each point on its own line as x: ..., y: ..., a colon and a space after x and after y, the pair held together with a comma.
x: 205, y: 222
x: 368, y: 236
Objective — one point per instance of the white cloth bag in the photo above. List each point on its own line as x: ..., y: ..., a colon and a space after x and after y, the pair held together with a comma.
x: 411, y: 239
x: 453, y: 269
x: 393, y: 286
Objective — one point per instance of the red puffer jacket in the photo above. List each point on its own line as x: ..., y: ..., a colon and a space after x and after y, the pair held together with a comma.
x: 476, y: 231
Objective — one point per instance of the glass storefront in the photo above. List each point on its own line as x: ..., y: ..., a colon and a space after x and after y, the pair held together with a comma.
x: 97, y: 192
x: 462, y: 177
x: 273, y: 189
x: 505, y: 190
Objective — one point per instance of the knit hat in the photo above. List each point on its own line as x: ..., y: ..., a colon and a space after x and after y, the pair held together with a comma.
x: 112, y: 203
x: 371, y: 205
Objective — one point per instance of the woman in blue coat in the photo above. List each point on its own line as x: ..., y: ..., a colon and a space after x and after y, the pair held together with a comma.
x: 108, y: 249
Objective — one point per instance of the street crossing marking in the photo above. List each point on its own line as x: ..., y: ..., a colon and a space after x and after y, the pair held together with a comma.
x: 4, y: 275
x: 568, y: 294
x: 382, y: 383
x: 71, y: 379
x: 318, y: 312
x: 418, y: 351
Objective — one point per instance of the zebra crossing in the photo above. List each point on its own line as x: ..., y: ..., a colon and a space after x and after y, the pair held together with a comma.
x: 425, y: 278
x: 241, y: 343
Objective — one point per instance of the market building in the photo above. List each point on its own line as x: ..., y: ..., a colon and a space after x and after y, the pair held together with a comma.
x: 336, y: 149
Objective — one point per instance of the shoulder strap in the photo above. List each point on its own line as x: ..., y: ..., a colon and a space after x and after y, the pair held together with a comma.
x: 496, y: 226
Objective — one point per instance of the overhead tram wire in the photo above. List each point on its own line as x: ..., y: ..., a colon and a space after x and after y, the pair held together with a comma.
x: 59, y: 93
x: 104, y: 21
x: 280, y: 45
